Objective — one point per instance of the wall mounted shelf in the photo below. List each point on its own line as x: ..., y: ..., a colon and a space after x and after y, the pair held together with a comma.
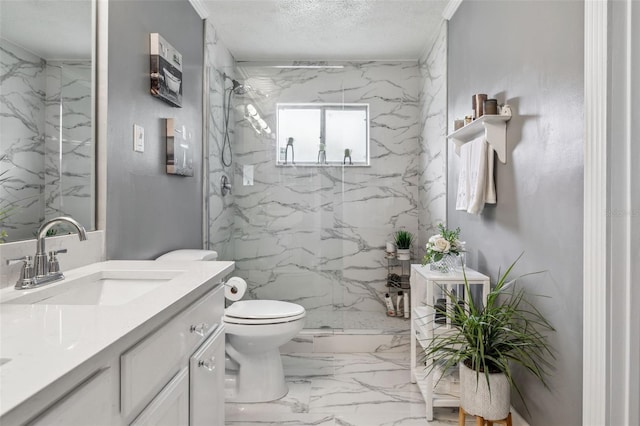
x: 495, y: 131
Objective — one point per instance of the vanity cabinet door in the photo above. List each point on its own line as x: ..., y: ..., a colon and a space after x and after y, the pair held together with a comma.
x: 149, y: 364
x: 206, y: 371
x: 91, y: 402
x: 171, y: 406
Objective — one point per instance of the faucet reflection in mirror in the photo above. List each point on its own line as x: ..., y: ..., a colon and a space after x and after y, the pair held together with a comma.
x: 45, y: 271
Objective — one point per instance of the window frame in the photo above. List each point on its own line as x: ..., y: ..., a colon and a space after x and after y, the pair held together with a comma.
x: 324, y: 107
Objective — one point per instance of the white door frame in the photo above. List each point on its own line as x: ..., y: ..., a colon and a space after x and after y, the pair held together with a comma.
x: 594, y: 324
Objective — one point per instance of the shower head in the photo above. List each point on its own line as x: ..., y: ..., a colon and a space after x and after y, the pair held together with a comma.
x: 238, y: 88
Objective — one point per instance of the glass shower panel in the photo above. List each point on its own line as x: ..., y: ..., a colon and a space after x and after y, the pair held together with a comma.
x: 298, y: 129
x: 287, y: 242
x: 346, y: 129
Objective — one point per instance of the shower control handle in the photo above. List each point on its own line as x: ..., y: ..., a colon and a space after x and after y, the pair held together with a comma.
x: 225, y: 185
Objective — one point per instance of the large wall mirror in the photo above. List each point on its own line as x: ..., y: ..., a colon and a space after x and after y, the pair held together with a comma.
x: 47, y: 114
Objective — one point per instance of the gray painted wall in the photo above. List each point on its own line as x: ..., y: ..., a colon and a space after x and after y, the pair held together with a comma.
x: 537, y: 67
x: 148, y: 211
x: 432, y: 172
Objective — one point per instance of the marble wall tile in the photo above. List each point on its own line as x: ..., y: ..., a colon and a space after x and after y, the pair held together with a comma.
x: 219, y: 210
x: 307, y: 234
x: 433, y: 143
x: 69, y: 162
x: 22, y: 120
x: 46, y: 111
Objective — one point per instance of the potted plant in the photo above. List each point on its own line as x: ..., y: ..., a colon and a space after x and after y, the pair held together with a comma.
x: 486, y: 341
x: 403, y: 244
x: 443, y: 249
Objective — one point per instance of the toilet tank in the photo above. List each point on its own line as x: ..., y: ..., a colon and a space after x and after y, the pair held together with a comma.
x: 189, y: 255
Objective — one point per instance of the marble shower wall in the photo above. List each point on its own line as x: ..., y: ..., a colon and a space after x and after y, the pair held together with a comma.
x: 432, y: 195
x: 69, y: 148
x: 220, y: 215
x: 316, y: 235
x: 40, y: 182
x: 22, y: 120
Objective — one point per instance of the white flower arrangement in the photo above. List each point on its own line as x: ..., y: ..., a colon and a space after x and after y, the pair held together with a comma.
x: 442, y: 244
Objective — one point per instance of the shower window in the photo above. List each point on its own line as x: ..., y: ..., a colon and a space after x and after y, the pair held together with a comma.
x: 323, y: 134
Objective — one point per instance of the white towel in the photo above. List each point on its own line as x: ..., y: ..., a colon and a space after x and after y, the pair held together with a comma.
x: 476, y: 185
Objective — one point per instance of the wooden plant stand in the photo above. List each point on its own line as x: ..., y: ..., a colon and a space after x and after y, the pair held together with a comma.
x: 481, y: 421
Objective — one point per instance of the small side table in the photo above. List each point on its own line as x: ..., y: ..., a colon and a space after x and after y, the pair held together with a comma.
x: 427, y: 287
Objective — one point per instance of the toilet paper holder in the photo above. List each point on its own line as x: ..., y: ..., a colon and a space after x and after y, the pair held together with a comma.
x: 231, y: 287
x: 235, y: 288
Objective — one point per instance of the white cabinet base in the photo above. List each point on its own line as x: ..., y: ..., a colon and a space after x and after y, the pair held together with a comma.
x: 171, y: 406
x: 92, y: 400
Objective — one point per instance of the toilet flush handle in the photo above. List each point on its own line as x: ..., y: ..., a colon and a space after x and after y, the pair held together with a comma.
x: 200, y: 329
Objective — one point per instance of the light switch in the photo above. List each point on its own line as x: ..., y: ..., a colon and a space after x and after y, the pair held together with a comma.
x: 247, y: 175
x: 138, y: 138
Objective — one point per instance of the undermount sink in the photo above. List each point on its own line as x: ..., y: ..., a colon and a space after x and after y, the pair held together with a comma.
x: 105, y: 288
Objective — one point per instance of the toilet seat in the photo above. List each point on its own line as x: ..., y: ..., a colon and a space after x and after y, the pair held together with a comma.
x: 256, y: 312
x: 245, y: 321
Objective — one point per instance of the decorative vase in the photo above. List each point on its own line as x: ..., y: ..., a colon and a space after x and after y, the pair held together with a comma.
x: 446, y: 264
x: 477, y: 400
x: 403, y: 254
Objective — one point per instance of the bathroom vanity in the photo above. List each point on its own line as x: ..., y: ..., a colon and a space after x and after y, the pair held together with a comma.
x: 116, y: 343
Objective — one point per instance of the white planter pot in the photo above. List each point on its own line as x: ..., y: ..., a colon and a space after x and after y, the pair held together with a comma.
x: 476, y: 399
x: 403, y: 254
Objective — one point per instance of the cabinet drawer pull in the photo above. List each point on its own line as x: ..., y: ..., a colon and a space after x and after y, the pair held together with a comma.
x: 200, y: 329
x: 209, y: 365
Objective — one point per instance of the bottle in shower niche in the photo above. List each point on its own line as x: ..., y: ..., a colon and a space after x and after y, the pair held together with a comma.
x: 390, y: 310
x: 400, y: 305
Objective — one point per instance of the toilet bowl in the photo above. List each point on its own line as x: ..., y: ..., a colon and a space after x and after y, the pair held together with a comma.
x: 255, y: 330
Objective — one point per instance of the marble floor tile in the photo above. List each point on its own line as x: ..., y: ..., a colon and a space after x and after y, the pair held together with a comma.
x: 296, y: 401
x: 321, y: 385
x: 442, y: 417
x: 308, y: 366
x: 359, y: 389
x: 366, y: 392
x: 284, y: 419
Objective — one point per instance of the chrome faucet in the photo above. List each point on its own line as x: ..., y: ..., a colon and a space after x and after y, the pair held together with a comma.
x: 45, y: 271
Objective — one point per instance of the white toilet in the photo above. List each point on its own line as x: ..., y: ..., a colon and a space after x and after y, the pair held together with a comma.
x: 255, y: 330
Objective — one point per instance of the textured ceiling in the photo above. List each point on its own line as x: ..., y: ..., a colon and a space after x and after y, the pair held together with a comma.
x: 262, y: 30
x: 52, y: 29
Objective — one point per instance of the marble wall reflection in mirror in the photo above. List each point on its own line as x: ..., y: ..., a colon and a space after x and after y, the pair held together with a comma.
x: 47, y: 109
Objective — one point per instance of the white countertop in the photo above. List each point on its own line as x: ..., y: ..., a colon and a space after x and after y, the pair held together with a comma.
x: 46, y: 342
